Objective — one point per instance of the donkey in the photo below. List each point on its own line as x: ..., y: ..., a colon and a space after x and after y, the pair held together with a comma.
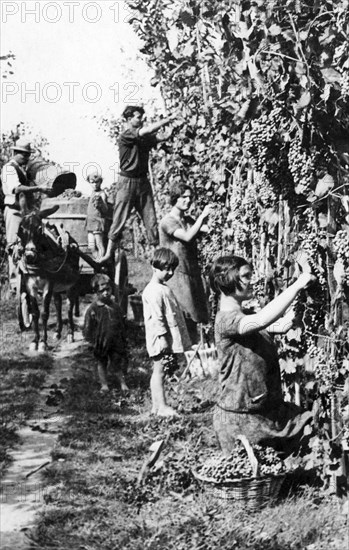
x: 49, y: 263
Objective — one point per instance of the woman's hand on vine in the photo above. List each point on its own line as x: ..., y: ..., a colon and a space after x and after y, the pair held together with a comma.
x: 206, y: 211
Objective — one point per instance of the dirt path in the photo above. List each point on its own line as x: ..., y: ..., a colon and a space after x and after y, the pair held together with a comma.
x: 23, y: 489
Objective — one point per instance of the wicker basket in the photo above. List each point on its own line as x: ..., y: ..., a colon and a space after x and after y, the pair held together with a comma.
x: 253, y: 493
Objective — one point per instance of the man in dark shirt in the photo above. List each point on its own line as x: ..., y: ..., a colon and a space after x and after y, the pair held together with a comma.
x: 133, y: 187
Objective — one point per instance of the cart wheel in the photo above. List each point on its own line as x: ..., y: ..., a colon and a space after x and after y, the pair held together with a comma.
x: 23, y: 307
x: 121, y: 280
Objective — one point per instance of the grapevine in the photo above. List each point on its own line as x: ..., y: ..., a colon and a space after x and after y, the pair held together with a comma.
x: 260, y: 140
x: 341, y: 246
x: 309, y: 240
x: 325, y: 366
x: 271, y: 126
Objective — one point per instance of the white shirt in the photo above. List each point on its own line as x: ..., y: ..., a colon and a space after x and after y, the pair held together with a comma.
x: 10, y: 182
x: 163, y: 317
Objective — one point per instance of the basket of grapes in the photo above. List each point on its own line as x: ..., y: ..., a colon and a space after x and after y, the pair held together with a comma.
x: 251, y: 476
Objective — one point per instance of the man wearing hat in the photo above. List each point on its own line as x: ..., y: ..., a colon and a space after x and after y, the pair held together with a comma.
x: 133, y: 187
x: 17, y: 189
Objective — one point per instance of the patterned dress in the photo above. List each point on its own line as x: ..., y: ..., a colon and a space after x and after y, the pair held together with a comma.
x: 186, y: 283
x: 251, y: 401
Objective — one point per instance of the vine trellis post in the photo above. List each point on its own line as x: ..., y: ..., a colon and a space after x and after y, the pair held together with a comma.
x: 280, y: 235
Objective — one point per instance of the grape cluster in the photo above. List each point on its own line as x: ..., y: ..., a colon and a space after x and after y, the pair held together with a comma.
x: 314, y: 314
x: 170, y: 364
x: 248, y: 208
x: 310, y: 245
x: 299, y: 305
x: 259, y: 139
x: 291, y: 347
x: 269, y: 461
x: 302, y: 166
x: 266, y: 193
x: 240, y: 236
x: 97, y: 200
x: 341, y: 246
x: 280, y: 176
x: 325, y: 367
x: 224, y: 469
x: 344, y: 84
x: 70, y: 194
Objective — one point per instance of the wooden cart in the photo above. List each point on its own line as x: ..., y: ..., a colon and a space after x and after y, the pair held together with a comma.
x: 71, y: 218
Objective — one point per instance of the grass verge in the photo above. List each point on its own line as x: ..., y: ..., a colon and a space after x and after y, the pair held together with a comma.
x: 21, y: 376
x: 93, y: 500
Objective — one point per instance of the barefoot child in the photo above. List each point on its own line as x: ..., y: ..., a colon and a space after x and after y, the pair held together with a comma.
x: 104, y: 329
x: 166, y: 333
x: 97, y: 211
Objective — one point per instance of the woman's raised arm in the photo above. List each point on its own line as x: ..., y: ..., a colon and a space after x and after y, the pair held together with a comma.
x: 187, y: 235
x: 276, y: 308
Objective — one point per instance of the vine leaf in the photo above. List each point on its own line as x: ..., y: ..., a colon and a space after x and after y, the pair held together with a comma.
x: 339, y: 272
x: 331, y: 75
x: 322, y: 219
x: 295, y: 334
x: 288, y: 365
x: 274, y: 30
x: 172, y: 38
x: 271, y: 217
x: 324, y: 185
x: 326, y: 93
x: 187, y: 18
x: 303, y: 101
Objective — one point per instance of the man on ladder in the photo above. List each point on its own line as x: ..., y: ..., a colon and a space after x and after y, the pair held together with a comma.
x: 133, y: 187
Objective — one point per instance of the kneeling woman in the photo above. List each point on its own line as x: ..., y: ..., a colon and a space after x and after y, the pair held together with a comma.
x: 251, y: 401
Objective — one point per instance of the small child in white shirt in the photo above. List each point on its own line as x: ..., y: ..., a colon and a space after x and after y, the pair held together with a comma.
x: 165, y: 328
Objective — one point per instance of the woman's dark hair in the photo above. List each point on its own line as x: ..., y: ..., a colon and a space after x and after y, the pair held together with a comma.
x: 224, y: 274
x: 131, y: 110
x: 177, y: 190
x: 164, y: 258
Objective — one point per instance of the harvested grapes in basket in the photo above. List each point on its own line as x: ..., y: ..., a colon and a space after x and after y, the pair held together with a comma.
x: 222, y: 469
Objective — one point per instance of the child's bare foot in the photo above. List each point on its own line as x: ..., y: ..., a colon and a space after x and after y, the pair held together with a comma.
x: 166, y: 411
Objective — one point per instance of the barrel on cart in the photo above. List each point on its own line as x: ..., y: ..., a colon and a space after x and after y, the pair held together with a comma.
x: 50, y: 174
